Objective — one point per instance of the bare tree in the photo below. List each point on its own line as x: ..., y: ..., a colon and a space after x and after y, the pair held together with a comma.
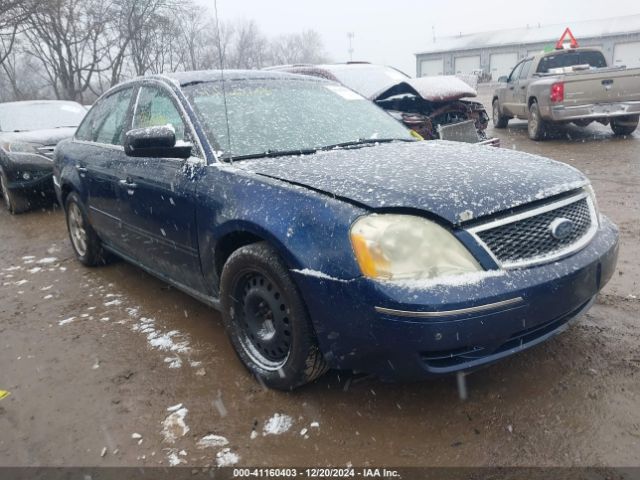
x: 250, y: 47
x: 67, y: 38
x: 305, y: 47
x: 12, y: 16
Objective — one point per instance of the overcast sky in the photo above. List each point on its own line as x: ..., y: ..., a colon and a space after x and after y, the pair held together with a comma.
x: 391, y: 31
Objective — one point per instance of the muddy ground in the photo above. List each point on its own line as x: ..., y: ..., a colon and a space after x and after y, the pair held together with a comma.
x: 85, y: 379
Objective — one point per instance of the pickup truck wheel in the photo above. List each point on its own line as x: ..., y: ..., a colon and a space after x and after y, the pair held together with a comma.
x: 624, y: 125
x: 536, y: 127
x: 84, y: 240
x: 499, y: 120
x: 13, y: 201
x: 266, y: 319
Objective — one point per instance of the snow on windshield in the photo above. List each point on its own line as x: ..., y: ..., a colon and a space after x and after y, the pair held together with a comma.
x: 285, y: 115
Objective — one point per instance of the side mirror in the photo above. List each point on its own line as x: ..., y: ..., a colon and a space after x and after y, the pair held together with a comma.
x: 154, y: 142
x: 503, y: 79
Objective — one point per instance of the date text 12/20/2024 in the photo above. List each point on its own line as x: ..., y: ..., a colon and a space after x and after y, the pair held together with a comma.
x: 348, y: 472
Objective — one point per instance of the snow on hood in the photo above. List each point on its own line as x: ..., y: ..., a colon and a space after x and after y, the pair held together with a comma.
x: 49, y: 136
x: 454, y: 181
x: 434, y: 89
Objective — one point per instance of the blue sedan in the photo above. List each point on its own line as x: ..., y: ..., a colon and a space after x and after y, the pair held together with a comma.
x: 324, y: 232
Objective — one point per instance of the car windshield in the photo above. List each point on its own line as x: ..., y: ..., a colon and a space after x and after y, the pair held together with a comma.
x: 367, y: 79
x: 563, y: 59
x: 267, y: 117
x: 19, y: 117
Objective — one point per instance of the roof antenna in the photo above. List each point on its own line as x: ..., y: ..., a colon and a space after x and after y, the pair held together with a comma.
x: 226, y: 155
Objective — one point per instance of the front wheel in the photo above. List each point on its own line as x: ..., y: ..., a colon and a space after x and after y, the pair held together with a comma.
x: 266, y: 319
x: 537, y: 127
x: 14, y: 201
x: 624, y: 125
x: 499, y: 120
x: 84, y: 240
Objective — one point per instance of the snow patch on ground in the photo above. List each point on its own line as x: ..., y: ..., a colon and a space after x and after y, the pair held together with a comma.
x: 174, y: 426
x: 211, y: 440
x: 47, y: 260
x: 226, y: 458
x: 66, y: 320
x: 277, y: 425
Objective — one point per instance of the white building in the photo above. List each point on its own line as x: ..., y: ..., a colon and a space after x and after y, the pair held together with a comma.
x: 497, y: 52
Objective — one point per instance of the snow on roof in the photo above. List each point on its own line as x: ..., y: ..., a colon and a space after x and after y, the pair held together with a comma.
x: 536, y: 34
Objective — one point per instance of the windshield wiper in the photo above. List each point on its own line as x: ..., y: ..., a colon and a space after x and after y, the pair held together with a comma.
x: 269, y: 154
x: 309, y: 151
x: 361, y: 142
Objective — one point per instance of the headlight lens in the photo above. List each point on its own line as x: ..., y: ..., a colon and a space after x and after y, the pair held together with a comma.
x: 21, y: 147
x: 405, y: 247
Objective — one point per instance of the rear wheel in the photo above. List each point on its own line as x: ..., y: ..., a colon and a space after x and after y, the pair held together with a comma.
x: 266, y: 319
x: 624, y: 125
x: 14, y: 201
x: 84, y: 240
x: 499, y: 120
x: 537, y: 127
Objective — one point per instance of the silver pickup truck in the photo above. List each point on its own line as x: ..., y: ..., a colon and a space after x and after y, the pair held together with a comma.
x: 566, y: 86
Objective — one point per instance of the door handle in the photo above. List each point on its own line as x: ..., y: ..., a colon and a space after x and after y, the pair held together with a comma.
x: 128, y: 183
x: 81, y: 169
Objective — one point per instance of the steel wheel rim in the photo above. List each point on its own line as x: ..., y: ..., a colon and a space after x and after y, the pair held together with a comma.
x: 263, y: 321
x: 77, y: 230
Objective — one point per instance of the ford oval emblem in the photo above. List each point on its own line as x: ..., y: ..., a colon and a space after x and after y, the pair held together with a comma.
x: 561, y: 228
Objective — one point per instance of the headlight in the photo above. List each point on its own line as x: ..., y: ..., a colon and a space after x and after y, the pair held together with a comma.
x: 21, y: 147
x: 404, y: 247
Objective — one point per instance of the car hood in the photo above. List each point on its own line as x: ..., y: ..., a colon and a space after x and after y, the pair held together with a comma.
x: 433, y: 89
x: 454, y: 181
x: 43, y: 137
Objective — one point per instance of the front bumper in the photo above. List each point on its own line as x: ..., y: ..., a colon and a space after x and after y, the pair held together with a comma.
x: 561, y: 113
x: 531, y: 305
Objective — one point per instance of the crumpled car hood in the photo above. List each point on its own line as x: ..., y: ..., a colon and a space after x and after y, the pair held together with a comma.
x: 433, y: 89
x: 456, y: 182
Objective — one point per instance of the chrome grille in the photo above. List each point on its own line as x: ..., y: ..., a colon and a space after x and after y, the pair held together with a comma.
x: 527, y: 238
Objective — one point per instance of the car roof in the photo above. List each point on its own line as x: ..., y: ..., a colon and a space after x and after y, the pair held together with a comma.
x: 37, y: 102
x: 202, y: 76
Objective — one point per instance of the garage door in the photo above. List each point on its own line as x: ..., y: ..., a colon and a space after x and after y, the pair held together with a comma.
x: 502, y: 64
x: 432, y: 68
x: 627, y: 54
x: 466, y: 64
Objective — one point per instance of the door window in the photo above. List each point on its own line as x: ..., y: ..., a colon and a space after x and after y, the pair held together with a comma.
x: 106, y: 121
x: 155, y: 108
x: 515, y: 73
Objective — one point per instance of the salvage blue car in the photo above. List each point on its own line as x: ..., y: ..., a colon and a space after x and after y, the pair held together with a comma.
x: 324, y: 232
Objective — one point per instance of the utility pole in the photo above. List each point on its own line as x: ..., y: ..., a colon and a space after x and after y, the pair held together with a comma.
x: 350, y: 36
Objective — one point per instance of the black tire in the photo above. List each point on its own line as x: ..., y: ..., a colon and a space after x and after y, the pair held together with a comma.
x: 499, y: 120
x: 14, y: 202
x: 624, y: 125
x: 536, y: 126
x: 84, y: 240
x: 266, y: 319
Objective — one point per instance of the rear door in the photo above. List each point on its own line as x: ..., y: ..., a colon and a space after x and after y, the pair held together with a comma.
x: 101, y: 163
x: 159, y: 194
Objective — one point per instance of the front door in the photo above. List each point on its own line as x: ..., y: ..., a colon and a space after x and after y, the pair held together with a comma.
x: 159, y: 196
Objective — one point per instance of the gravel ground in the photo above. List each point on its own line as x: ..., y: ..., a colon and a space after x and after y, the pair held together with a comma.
x: 98, y: 361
